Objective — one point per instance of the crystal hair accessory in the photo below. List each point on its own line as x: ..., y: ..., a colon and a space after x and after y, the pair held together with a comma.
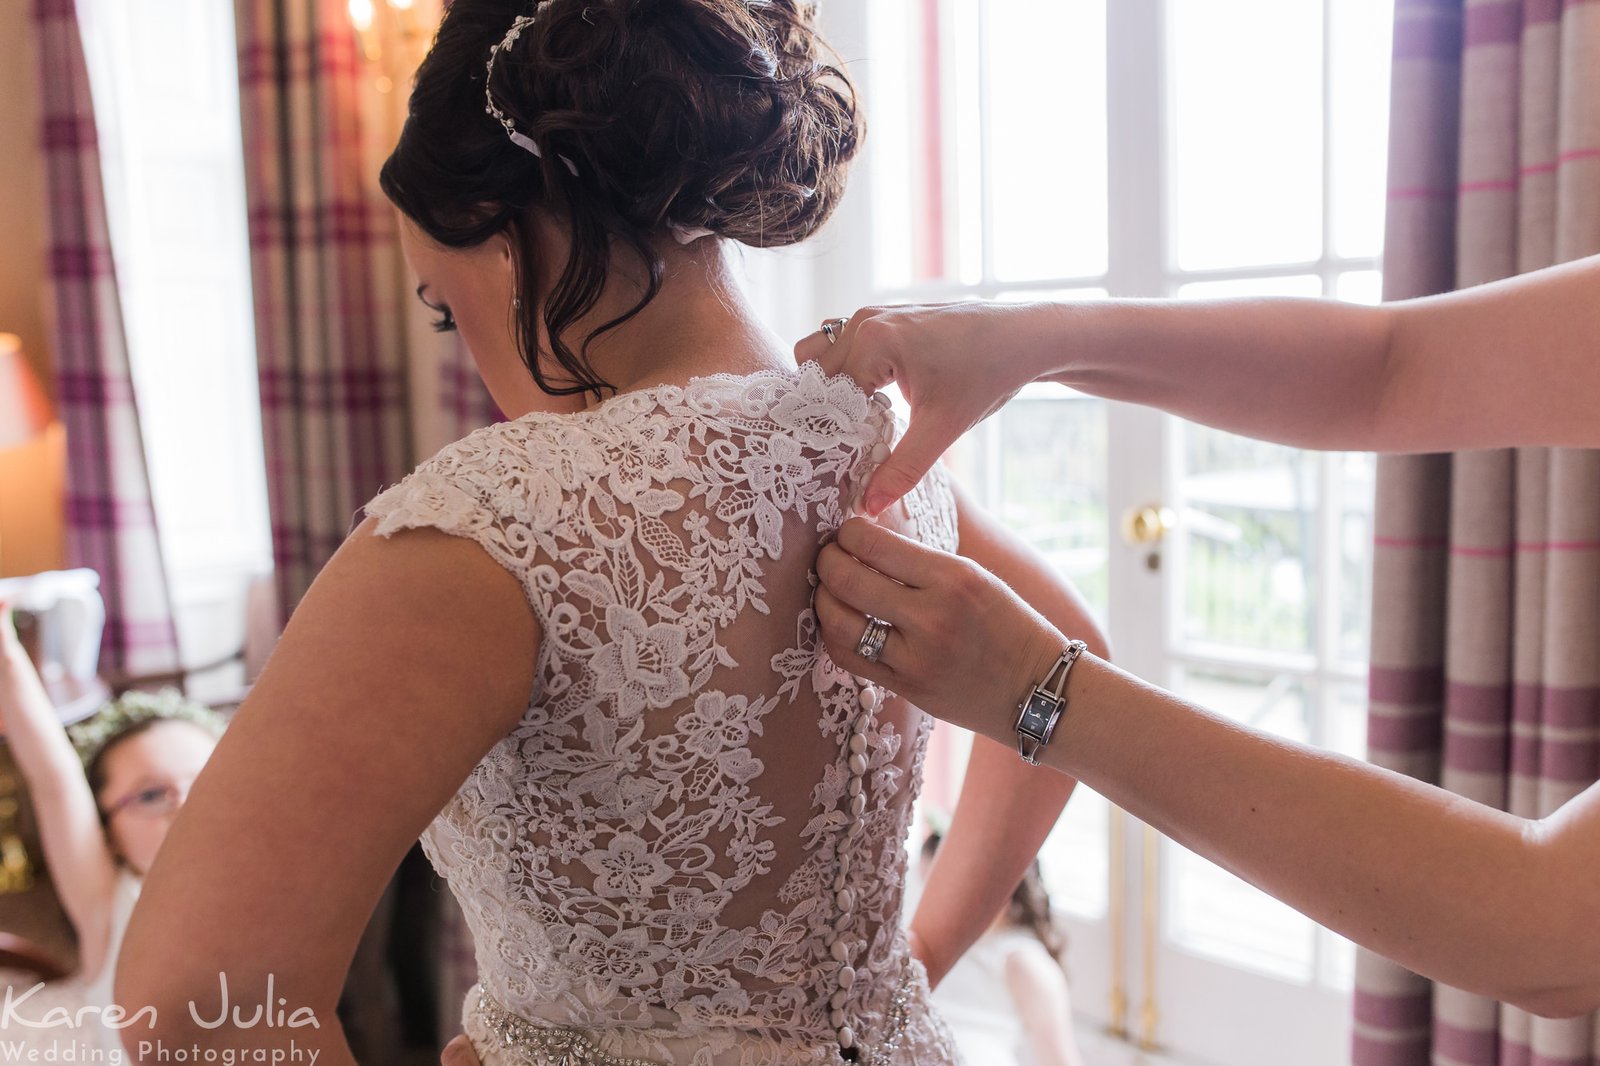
x: 518, y: 138
x: 682, y: 234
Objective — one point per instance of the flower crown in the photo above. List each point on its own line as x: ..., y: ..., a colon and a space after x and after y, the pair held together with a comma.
x: 91, y: 736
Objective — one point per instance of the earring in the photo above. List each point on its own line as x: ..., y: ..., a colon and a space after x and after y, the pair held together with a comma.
x: 516, y: 303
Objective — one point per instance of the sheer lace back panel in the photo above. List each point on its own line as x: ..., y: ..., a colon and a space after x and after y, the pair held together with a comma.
x: 698, y: 827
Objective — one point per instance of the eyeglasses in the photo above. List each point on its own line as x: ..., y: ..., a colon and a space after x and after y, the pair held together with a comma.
x: 152, y: 802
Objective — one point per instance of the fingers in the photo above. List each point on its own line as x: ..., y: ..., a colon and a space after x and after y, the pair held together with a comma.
x: 815, y: 348
x: 863, y: 588
x: 890, y: 554
x: 843, y: 355
x: 459, y: 1052
x: 924, y: 442
x: 841, y: 627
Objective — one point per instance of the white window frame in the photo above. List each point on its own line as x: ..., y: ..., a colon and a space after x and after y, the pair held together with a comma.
x: 1141, y: 263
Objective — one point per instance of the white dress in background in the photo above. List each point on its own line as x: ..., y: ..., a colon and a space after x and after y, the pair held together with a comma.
x: 691, y: 849
x: 975, y: 999
x: 90, y: 1042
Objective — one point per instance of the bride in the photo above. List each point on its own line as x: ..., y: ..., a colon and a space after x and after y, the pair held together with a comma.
x: 574, y: 651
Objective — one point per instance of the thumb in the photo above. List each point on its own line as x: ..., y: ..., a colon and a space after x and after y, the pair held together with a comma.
x: 459, y: 1052
x: 910, y: 461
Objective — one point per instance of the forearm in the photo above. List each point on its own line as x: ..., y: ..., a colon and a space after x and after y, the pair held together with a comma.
x: 1452, y: 889
x: 1449, y: 888
x: 1005, y: 812
x: 70, y: 832
x: 1504, y: 364
x: 32, y: 731
x: 1309, y: 373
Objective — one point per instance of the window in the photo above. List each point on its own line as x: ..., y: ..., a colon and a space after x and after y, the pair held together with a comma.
x: 1085, y: 149
x: 166, y: 103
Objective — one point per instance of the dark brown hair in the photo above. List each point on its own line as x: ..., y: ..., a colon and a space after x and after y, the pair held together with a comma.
x: 714, y: 114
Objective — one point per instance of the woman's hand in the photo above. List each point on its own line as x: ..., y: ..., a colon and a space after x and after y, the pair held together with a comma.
x: 964, y: 647
x: 459, y: 1052
x: 956, y: 364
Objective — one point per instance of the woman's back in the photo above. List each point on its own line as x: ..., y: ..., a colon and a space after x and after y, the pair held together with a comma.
x: 692, y: 845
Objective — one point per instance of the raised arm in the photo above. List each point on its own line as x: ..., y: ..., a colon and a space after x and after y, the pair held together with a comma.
x: 74, y: 842
x: 1006, y: 808
x: 1516, y: 362
x: 1451, y: 889
x: 407, y: 660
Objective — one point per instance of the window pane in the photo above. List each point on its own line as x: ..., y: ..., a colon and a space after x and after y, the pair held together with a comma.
x: 1210, y: 911
x: 889, y: 107
x: 1247, y: 542
x: 1358, y: 110
x: 1075, y: 859
x: 1356, y: 487
x: 176, y: 205
x: 968, y: 159
x: 1297, y: 285
x: 1246, y: 107
x: 1047, y: 138
x: 1360, y: 287
x: 1052, y: 477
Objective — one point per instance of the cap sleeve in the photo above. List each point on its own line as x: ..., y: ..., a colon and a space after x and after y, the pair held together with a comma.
x: 475, y: 488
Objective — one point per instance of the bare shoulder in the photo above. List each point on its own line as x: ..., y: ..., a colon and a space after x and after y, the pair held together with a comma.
x: 425, y: 588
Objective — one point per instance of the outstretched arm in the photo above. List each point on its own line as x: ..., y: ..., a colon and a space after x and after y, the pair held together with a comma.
x: 408, y: 659
x: 70, y: 832
x: 1006, y: 808
x: 1510, y: 363
x: 1449, y: 888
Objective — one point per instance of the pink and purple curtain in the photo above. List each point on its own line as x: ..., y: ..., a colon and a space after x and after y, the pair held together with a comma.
x: 111, y: 523
x: 1486, y: 614
x: 464, y: 402
x: 331, y: 342
x: 327, y: 278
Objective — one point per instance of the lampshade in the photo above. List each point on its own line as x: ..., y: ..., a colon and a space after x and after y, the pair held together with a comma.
x: 24, y: 410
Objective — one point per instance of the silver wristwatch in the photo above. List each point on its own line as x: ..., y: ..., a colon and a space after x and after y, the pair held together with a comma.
x: 1041, y: 709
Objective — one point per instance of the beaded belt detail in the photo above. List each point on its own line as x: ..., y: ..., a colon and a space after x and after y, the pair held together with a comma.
x: 549, y: 1045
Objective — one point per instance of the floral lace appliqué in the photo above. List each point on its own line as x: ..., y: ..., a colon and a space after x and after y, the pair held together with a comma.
x: 698, y: 825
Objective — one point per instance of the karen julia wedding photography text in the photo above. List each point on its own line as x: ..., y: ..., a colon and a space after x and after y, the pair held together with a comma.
x: 64, y: 1029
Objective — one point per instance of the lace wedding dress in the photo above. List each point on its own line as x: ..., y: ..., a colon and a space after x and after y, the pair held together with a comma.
x: 691, y: 849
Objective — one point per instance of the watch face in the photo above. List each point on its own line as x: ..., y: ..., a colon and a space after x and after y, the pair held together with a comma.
x: 1035, y: 719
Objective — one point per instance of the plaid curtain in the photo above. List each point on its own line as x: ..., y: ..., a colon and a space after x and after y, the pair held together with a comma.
x: 341, y: 345
x: 326, y: 274
x: 1486, y: 614
x: 464, y: 403
x: 111, y: 523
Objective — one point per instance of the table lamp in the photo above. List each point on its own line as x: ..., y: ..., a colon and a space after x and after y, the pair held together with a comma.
x: 24, y: 409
